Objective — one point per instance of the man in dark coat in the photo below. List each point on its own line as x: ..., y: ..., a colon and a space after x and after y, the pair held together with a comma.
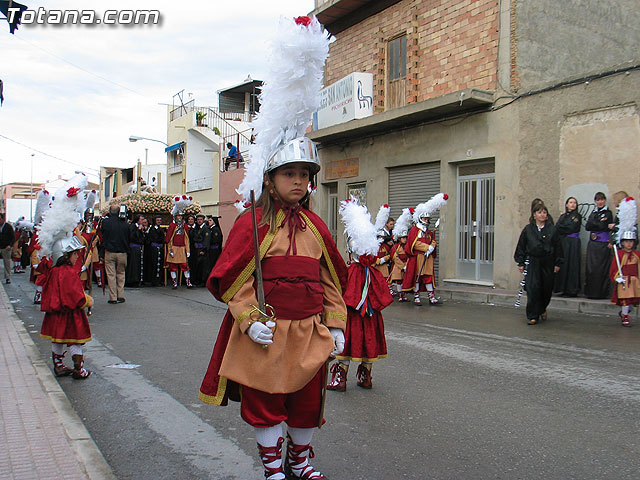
x: 200, y: 238
x: 134, y: 259
x: 7, y: 237
x: 154, y: 253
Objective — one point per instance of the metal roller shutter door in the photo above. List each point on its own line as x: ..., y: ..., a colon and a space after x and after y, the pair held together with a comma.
x: 413, y: 184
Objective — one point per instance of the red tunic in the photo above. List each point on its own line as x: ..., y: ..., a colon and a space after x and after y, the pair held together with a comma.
x: 629, y: 265
x: 413, y: 250
x: 364, y: 335
x: 63, y: 300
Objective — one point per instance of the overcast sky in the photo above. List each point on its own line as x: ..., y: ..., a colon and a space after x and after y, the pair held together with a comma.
x: 77, y: 92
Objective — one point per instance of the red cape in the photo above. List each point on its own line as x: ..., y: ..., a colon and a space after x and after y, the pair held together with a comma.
x: 378, y: 295
x: 410, y: 274
x: 233, y: 268
x: 626, y: 271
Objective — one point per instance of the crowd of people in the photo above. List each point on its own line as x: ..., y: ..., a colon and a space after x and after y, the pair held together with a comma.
x: 549, y: 255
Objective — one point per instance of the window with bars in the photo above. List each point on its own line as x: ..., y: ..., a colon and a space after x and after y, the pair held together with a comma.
x: 397, y: 58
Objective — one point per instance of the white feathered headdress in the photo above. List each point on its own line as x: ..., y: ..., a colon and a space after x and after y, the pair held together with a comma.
x: 59, y: 221
x: 290, y: 94
x: 180, y: 202
x: 428, y: 208
x: 43, y: 201
x: 382, y: 217
x: 358, y: 227
x: 92, y: 198
x: 627, y: 216
x: 23, y: 224
x: 403, y: 223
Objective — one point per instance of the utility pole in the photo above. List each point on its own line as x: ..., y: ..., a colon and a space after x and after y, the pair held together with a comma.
x: 31, y: 191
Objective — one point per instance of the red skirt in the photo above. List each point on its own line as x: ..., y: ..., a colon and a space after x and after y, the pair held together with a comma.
x: 364, y: 338
x: 66, y: 327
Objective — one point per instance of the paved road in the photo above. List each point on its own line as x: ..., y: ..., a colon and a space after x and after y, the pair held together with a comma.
x: 468, y: 392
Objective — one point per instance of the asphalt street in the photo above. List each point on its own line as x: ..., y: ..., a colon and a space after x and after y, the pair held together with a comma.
x: 468, y: 391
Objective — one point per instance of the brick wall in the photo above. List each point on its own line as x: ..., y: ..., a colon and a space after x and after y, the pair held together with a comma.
x: 451, y: 45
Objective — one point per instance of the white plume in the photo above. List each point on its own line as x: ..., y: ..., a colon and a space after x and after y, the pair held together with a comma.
x: 428, y: 208
x: 180, y: 202
x: 240, y: 206
x: 92, y: 198
x: 42, y: 205
x: 403, y: 224
x: 359, y: 228
x: 290, y: 95
x: 59, y: 221
x: 382, y: 217
x: 627, y: 214
x: 23, y: 224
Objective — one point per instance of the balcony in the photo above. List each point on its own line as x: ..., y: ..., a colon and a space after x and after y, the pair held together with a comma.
x: 338, y: 15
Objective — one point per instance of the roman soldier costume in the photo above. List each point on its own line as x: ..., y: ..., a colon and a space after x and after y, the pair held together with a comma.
x: 399, y: 256
x: 63, y: 296
x: 365, y: 295
x: 177, y: 250
x: 421, y: 250
x: 282, y: 382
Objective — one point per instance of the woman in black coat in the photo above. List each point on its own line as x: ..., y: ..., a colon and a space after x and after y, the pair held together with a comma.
x: 215, y: 244
x: 540, y: 244
x: 568, y: 227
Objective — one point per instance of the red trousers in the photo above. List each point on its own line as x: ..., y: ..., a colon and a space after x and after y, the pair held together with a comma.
x: 299, y: 409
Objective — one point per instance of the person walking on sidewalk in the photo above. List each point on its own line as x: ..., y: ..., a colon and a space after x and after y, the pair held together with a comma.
x: 7, y: 237
x: 366, y: 295
x: 115, y: 238
x: 63, y: 295
x: 540, y: 244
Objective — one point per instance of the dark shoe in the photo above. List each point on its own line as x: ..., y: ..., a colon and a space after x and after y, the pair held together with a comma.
x: 364, y: 377
x: 112, y: 302
x: 121, y: 300
x: 626, y: 321
x: 532, y: 321
x: 59, y: 368
x: 79, y: 372
x: 543, y: 317
x: 8, y: 280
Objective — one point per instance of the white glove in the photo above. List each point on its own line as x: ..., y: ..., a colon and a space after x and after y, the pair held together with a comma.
x: 382, y: 261
x: 188, y: 254
x: 83, y: 269
x: 260, y: 333
x: 430, y: 250
x: 620, y: 280
x: 338, y: 339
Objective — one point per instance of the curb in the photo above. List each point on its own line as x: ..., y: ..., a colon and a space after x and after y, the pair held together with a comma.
x: 87, y: 452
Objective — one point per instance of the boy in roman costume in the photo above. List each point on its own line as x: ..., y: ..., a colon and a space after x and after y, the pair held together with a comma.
x: 399, y: 256
x: 177, y: 250
x: 421, y: 249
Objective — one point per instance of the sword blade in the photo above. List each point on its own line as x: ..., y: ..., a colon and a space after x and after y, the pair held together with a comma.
x: 259, y: 286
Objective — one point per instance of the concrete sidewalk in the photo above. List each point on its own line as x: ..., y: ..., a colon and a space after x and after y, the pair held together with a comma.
x: 507, y: 298
x: 41, y: 437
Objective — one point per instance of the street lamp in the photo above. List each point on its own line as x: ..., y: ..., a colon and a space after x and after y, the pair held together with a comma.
x: 133, y: 138
x: 31, y: 191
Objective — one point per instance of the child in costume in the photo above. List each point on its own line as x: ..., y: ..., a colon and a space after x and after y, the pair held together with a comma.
x: 177, y: 251
x: 63, y: 297
x: 421, y: 249
x: 383, y: 257
x: 277, y: 357
x: 21, y: 237
x: 366, y: 294
x: 399, y: 255
x: 624, y: 267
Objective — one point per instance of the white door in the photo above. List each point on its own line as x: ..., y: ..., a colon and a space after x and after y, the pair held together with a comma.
x: 475, y: 229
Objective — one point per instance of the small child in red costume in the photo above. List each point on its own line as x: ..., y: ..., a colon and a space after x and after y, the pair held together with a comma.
x: 365, y: 295
x: 624, y: 267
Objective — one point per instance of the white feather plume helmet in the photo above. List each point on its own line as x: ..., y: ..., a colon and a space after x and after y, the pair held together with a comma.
x: 428, y: 208
x: 91, y: 200
x: 358, y: 227
x: 289, y: 96
x: 403, y: 223
x: 59, y: 221
x: 180, y: 202
x: 43, y: 202
x: 382, y: 217
x: 23, y: 224
x: 627, y: 216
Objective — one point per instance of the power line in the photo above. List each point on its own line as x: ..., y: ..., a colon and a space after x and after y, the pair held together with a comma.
x: 79, y: 67
x: 51, y: 156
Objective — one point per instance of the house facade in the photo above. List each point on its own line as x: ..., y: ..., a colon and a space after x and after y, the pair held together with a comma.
x: 494, y: 102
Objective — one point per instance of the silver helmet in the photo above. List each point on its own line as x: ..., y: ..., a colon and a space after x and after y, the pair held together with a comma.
x: 299, y: 149
x: 628, y: 235
x: 65, y: 245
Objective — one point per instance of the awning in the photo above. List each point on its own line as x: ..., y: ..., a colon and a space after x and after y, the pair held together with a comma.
x: 173, y: 147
